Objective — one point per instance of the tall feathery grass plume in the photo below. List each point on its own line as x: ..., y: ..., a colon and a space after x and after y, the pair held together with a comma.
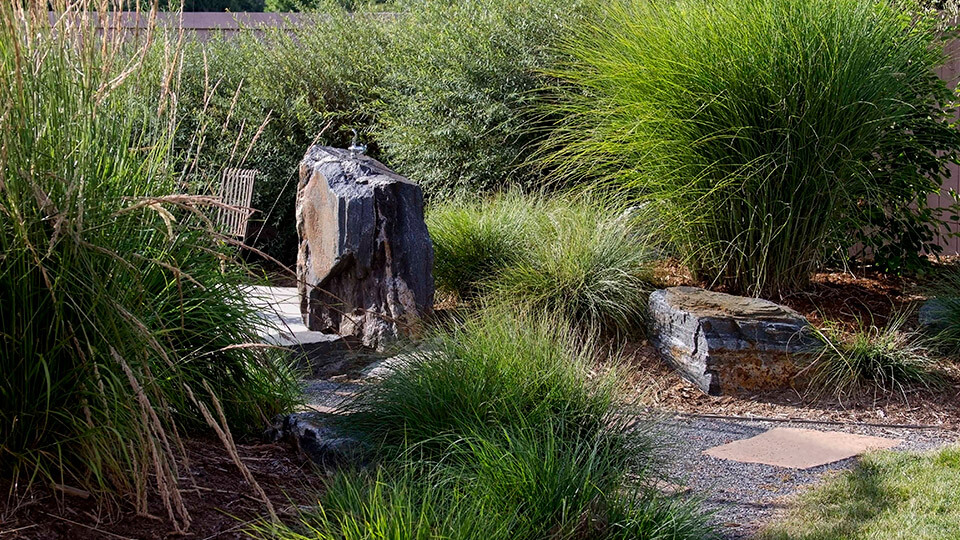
x: 124, y: 324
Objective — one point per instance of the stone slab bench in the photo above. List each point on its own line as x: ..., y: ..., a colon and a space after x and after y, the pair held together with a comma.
x: 728, y: 344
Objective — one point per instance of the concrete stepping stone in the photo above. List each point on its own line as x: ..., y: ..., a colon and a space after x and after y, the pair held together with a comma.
x: 795, y: 448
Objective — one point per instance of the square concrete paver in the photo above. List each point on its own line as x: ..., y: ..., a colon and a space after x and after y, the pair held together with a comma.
x: 799, y: 448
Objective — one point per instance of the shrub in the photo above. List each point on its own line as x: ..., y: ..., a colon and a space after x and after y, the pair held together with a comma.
x: 259, y: 99
x: 457, y: 114
x: 497, y: 432
x: 120, y: 331
x: 769, y: 130
x: 885, y: 358
x: 441, y: 93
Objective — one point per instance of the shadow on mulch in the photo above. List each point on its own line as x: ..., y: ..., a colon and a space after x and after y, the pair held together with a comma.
x: 221, y: 503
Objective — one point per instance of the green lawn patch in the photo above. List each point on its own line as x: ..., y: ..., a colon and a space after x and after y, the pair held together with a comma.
x: 888, y: 495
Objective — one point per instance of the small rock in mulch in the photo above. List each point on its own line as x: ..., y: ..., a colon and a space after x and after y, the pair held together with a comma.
x: 319, y: 439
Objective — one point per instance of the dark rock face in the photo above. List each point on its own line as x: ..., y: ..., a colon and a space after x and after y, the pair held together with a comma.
x: 315, y: 436
x: 728, y: 344
x: 365, y: 263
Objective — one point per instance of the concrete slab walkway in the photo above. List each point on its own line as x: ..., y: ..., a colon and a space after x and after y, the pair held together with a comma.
x: 282, y: 322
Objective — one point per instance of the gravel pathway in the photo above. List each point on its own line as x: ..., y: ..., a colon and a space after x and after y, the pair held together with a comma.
x: 746, y: 495
x: 742, y: 495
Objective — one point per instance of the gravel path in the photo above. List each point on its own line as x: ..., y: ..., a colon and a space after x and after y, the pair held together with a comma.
x: 746, y: 495
x: 742, y: 495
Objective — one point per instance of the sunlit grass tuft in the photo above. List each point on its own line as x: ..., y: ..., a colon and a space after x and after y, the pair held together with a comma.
x: 887, y: 358
x: 583, y: 258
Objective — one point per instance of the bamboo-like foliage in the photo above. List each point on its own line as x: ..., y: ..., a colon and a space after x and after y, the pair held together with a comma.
x: 768, y: 131
x: 123, y: 320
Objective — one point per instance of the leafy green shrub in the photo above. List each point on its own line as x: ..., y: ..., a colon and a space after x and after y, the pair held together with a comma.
x: 885, y: 358
x: 120, y: 329
x: 577, y: 256
x: 457, y: 114
x: 497, y: 432
x: 770, y: 131
x: 441, y: 92
x: 258, y: 100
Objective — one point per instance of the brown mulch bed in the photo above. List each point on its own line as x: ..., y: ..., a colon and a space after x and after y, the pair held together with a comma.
x: 658, y: 387
x: 221, y: 504
x: 850, y: 298
x: 861, y: 298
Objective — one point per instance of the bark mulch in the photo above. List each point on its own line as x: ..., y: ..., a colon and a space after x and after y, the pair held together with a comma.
x: 220, y: 502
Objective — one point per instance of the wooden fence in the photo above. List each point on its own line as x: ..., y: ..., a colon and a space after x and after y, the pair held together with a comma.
x: 950, y: 73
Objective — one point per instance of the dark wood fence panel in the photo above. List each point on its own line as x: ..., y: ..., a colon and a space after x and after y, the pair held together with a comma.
x: 950, y: 73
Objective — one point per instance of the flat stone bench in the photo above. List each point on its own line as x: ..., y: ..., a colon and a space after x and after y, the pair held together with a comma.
x: 728, y: 344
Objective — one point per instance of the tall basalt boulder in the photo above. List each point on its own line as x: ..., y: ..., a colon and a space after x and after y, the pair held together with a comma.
x: 729, y: 344
x: 365, y: 262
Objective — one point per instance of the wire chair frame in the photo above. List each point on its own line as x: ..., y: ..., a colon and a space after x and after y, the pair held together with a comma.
x: 236, y: 191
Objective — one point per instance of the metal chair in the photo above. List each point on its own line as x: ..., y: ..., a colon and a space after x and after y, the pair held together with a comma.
x: 236, y: 191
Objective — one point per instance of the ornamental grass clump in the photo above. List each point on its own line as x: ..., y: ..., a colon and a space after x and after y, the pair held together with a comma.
x: 590, y: 262
x: 495, y: 371
x: 887, y: 358
x: 500, y: 429
x: 773, y: 133
x: 474, y: 242
x: 584, y: 258
x: 124, y: 323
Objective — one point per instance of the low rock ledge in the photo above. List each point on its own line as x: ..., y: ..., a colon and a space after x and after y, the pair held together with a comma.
x: 729, y: 344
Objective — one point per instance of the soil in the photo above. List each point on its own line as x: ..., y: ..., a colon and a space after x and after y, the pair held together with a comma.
x: 852, y: 299
x: 865, y: 298
x: 660, y: 389
x: 221, y: 504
